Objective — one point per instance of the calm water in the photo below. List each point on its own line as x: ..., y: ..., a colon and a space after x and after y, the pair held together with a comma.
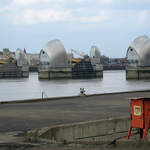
x: 113, y: 81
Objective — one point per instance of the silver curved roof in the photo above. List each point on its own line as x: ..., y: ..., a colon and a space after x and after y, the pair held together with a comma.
x: 19, y: 53
x: 21, y: 57
x: 56, y: 53
x: 95, y: 53
x: 142, y: 47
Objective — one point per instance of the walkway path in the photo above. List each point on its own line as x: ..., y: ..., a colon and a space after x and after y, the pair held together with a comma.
x: 25, y: 116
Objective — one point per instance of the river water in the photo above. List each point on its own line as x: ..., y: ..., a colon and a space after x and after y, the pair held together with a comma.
x: 113, y: 81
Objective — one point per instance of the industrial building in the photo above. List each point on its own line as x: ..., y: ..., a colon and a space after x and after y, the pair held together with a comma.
x: 13, y: 64
x: 56, y: 63
x: 138, y: 62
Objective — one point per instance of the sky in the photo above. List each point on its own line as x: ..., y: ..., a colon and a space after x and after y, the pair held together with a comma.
x: 111, y: 25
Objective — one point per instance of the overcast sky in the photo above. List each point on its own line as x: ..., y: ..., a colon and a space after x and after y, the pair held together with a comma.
x: 109, y: 24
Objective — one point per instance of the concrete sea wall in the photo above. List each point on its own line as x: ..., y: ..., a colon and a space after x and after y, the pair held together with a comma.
x: 99, y: 71
x: 105, y: 130
x: 137, y: 72
x: 25, y: 71
x: 55, y: 73
x: 44, y: 99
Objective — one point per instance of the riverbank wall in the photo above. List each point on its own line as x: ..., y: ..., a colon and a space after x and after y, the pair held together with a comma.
x: 114, y: 67
x: 101, y: 130
x: 92, y: 131
x: 44, y: 99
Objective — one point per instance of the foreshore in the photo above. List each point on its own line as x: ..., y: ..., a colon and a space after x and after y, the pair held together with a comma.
x: 27, y: 115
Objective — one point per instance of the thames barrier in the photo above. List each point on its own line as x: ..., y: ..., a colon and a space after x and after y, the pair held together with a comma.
x: 56, y: 63
x: 89, y: 121
x: 138, y: 62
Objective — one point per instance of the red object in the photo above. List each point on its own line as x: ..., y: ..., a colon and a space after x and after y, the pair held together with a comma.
x: 140, y: 116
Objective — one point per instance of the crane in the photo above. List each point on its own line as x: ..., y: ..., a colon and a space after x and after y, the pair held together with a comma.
x: 80, y: 54
x: 77, y: 60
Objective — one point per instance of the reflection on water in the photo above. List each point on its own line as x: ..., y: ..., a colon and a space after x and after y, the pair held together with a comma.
x: 113, y: 81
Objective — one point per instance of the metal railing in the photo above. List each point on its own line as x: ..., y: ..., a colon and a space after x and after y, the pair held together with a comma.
x: 44, y: 94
